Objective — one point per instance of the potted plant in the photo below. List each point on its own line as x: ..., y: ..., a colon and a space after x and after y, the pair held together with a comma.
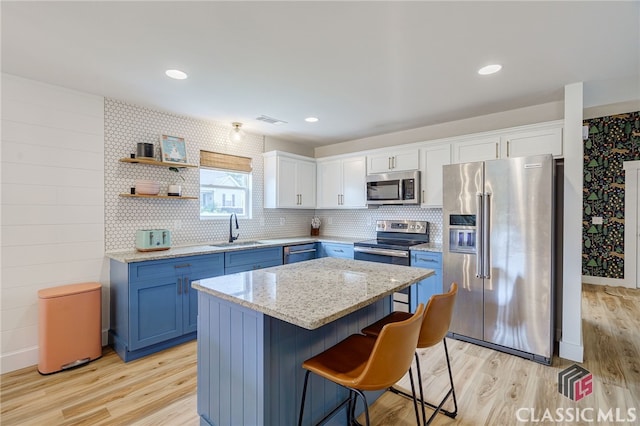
x: 315, y: 226
x: 175, y: 189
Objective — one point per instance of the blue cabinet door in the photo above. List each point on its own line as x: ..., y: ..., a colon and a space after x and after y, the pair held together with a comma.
x: 199, y: 267
x: 155, y: 312
x: 190, y: 309
x: 162, y: 304
x: 429, y: 286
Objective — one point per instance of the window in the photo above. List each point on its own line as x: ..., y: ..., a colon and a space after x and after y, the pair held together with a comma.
x: 225, y: 185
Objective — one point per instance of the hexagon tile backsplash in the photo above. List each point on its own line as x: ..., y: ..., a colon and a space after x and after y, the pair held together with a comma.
x: 127, y: 124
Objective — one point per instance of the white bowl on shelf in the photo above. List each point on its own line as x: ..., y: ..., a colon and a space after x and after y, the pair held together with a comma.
x: 147, y: 187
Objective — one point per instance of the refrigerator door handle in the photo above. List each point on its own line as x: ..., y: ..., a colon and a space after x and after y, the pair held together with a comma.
x: 486, y: 214
x: 480, y: 235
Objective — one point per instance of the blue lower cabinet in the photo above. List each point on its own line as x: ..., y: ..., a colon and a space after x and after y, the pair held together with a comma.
x: 251, y: 259
x: 429, y: 286
x: 153, y: 306
x: 344, y: 251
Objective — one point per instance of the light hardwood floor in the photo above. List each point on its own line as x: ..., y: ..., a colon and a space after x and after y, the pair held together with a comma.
x: 491, y: 386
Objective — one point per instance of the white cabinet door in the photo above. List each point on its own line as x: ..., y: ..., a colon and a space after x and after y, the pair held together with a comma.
x: 406, y: 160
x: 341, y: 183
x: 329, y: 184
x: 289, y: 181
x: 354, y: 185
x: 476, y: 150
x: 533, y: 142
x: 305, y: 179
x: 433, y: 158
x: 393, y: 161
x: 286, y: 181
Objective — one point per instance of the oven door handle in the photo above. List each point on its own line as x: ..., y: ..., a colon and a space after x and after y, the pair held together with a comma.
x: 382, y: 252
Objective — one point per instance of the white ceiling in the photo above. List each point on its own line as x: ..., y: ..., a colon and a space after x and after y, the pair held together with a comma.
x: 363, y: 68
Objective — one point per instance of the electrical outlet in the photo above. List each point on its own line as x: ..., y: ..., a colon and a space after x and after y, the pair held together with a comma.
x: 330, y: 220
x: 262, y: 221
x: 368, y: 220
x: 282, y: 221
x: 596, y: 220
x: 177, y: 224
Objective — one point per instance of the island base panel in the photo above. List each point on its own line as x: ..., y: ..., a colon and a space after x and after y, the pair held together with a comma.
x: 250, y: 365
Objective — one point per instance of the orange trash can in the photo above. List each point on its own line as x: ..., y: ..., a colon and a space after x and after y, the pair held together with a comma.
x: 69, y: 326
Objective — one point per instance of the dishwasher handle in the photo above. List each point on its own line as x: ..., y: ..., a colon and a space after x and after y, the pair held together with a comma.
x: 301, y: 251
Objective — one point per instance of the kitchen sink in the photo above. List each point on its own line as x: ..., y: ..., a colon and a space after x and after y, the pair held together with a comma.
x: 237, y: 244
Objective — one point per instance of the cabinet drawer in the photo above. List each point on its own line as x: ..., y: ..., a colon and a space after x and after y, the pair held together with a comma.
x: 202, y: 265
x: 337, y: 250
x: 261, y: 256
x: 426, y: 259
x: 252, y: 266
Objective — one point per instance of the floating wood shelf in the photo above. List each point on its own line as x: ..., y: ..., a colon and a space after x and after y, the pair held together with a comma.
x: 153, y: 162
x: 173, y: 197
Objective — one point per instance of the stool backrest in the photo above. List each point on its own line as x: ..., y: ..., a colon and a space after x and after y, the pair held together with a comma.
x: 437, y: 317
x: 392, y: 353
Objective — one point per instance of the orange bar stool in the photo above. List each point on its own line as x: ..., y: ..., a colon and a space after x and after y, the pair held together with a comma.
x: 436, y: 322
x: 361, y: 363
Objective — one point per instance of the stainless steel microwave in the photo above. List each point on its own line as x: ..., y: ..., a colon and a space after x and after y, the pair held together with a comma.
x: 393, y: 188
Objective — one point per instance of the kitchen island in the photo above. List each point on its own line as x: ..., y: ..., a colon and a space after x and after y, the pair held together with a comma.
x: 256, y: 328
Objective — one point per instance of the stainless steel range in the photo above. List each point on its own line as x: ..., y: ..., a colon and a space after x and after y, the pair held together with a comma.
x: 394, y: 239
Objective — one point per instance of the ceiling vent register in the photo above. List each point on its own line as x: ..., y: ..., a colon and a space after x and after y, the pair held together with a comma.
x: 271, y: 120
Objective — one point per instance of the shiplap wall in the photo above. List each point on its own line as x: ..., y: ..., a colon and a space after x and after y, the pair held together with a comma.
x: 52, y: 205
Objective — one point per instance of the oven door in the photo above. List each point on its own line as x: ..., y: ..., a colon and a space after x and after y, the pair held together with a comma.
x: 401, y: 299
x: 380, y: 255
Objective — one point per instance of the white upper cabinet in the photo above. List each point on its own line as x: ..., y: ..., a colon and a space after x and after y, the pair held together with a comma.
x: 393, y: 161
x: 342, y: 183
x: 533, y: 142
x: 289, y: 181
x: 433, y: 158
x: 535, y: 139
x: 476, y: 150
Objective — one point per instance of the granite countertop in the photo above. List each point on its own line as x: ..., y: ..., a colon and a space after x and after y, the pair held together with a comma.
x: 313, y: 293
x: 129, y: 256
x: 434, y: 247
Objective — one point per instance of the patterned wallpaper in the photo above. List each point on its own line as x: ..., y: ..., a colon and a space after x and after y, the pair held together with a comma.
x: 612, y: 140
x: 127, y: 124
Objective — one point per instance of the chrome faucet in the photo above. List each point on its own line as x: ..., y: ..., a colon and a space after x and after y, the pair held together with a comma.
x: 231, y: 237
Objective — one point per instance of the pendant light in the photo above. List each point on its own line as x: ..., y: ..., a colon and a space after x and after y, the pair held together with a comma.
x: 236, y: 134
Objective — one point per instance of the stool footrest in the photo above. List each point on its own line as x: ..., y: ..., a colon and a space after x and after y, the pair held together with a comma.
x: 428, y: 404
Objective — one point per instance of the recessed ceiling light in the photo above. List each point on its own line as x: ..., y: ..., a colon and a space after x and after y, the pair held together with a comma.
x: 489, y: 69
x: 311, y: 119
x: 176, y: 74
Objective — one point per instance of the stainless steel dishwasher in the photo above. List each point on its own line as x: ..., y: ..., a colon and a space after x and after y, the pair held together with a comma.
x: 299, y: 252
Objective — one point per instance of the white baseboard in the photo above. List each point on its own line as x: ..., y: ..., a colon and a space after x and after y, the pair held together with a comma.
x: 29, y: 357
x: 23, y: 358
x: 571, y: 351
x: 614, y: 282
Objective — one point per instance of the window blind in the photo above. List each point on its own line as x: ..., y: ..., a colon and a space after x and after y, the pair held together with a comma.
x: 217, y: 160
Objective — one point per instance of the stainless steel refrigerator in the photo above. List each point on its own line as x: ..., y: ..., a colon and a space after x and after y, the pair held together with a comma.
x: 498, y: 245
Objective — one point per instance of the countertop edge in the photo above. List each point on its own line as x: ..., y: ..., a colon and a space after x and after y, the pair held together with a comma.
x: 132, y: 256
x: 312, y: 325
